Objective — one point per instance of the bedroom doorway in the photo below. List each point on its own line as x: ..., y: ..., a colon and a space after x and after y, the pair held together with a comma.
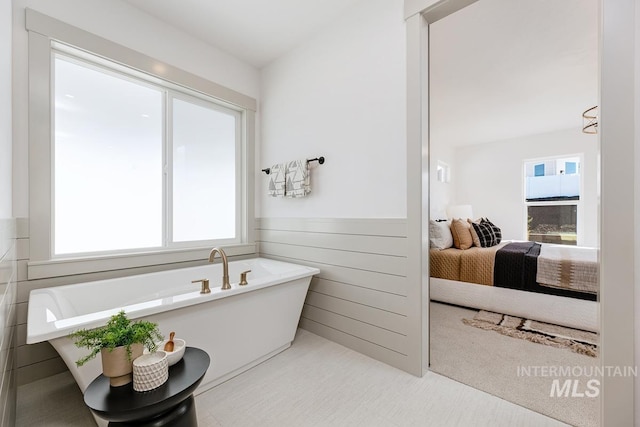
x: 508, y: 82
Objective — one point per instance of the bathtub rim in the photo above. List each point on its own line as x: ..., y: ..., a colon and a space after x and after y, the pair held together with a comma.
x: 40, y: 300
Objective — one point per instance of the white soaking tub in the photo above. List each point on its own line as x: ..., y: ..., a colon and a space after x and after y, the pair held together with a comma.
x: 238, y: 328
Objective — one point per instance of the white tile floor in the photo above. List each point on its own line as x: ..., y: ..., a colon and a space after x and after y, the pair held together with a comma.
x: 314, y: 383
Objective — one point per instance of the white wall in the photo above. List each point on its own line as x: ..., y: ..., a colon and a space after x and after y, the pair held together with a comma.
x: 490, y: 177
x: 440, y: 193
x: 121, y: 23
x: 341, y: 95
x: 5, y: 110
x: 7, y: 229
x: 637, y: 212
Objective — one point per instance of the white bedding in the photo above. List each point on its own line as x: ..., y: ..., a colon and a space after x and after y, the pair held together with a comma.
x: 568, y: 267
x: 570, y: 312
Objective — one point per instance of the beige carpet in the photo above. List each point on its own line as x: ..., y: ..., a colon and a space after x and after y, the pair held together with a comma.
x: 494, y: 363
x: 582, y: 342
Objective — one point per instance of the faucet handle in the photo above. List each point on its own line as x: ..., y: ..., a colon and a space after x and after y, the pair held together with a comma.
x: 243, y: 278
x: 205, y: 285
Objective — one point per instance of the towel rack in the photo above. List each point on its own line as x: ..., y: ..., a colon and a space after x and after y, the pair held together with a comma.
x: 317, y: 159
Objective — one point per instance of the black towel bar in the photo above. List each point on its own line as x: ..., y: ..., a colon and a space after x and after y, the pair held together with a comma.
x: 317, y: 159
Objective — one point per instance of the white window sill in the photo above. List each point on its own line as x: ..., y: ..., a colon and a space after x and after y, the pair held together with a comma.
x: 73, y: 266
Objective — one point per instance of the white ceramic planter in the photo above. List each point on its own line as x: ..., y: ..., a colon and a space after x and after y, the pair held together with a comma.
x: 150, y: 371
x: 117, y: 365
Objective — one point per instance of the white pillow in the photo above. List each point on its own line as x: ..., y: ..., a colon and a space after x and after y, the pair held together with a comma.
x: 440, y: 235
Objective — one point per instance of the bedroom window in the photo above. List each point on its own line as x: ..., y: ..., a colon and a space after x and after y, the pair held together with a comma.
x: 552, y: 199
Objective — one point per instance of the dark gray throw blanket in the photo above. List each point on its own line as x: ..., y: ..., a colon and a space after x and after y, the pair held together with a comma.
x: 516, y: 267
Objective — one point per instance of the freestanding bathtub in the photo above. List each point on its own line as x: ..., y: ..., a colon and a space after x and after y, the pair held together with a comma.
x: 238, y: 328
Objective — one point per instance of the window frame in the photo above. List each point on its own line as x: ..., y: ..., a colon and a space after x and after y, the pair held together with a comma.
x: 46, y: 34
x: 182, y: 96
x: 579, y: 202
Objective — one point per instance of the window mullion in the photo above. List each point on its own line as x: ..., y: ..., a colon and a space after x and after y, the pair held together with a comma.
x: 168, y: 170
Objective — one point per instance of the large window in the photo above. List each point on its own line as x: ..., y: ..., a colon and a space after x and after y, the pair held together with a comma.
x: 138, y: 165
x: 133, y: 162
x: 552, y: 198
x: 204, y: 140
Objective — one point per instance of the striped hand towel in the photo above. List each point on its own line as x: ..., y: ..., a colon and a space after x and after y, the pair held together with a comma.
x: 297, y: 178
x: 277, y: 180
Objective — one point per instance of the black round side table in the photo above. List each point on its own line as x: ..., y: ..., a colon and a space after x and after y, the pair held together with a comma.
x: 171, y: 404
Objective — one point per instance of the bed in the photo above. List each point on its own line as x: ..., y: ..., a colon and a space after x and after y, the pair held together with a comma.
x: 550, y: 283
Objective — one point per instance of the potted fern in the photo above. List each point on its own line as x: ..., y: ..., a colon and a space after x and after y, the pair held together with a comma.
x: 119, y: 342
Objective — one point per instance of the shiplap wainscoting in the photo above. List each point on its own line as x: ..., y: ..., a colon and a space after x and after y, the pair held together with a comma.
x: 38, y: 360
x: 8, y: 385
x: 359, y: 299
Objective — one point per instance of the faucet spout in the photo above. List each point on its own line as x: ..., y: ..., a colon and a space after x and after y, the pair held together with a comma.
x: 225, y: 266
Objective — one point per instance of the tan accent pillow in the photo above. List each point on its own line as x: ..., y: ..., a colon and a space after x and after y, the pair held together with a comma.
x: 474, y: 234
x: 461, y: 232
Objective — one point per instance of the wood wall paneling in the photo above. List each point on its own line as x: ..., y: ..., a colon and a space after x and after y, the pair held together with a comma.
x: 8, y: 311
x: 359, y: 299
